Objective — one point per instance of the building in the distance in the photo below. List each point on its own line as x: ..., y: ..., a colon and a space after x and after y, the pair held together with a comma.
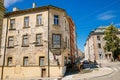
x: 94, y: 46
x: 80, y: 54
x: 36, y: 42
x: 73, y: 46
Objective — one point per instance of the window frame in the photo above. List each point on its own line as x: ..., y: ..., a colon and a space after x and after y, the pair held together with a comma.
x: 99, y: 45
x: 8, y: 60
x: 27, y: 21
x: 56, y: 20
x: 43, y: 61
x: 24, y: 63
x: 40, y: 37
x: 23, y: 38
x: 9, y: 42
x: 12, y: 25
x: 98, y: 38
x: 53, y: 40
x: 37, y: 19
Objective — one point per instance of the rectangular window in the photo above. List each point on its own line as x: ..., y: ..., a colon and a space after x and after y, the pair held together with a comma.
x: 39, y: 39
x: 41, y: 61
x: 25, y: 40
x: 9, y: 61
x: 12, y: 24
x: 25, y: 61
x: 26, y: 21
x: 56, y: 20
x: 99, y: 45
x: 56, y: 40
x: 11, y: 41
x: 39, y: 19
x: 98, y: 38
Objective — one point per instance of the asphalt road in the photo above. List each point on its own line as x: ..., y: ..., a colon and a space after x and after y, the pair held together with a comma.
x: 114, y: 76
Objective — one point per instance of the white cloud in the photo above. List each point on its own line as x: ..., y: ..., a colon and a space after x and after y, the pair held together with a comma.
x: 106, y: 15
x: 8, y: 3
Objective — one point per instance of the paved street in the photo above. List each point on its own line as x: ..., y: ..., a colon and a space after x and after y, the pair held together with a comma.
x: 114, y: 76
x: 110, y: 71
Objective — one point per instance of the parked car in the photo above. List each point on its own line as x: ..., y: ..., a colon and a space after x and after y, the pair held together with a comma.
x: 89, y: 64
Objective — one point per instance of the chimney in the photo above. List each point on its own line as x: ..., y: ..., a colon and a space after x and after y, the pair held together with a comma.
x: 34, y: 5
x: 15, y: 9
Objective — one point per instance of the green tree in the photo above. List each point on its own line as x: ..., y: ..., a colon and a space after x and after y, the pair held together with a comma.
x: 112, y: 41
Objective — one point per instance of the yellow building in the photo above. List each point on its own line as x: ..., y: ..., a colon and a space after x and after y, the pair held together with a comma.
x: 36, y: 43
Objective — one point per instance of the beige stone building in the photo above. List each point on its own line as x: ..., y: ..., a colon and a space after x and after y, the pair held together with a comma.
x: 36, y: 43
x: 94, y: 46
x: 2, y: 9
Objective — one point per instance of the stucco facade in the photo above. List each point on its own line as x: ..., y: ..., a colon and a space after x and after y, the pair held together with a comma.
x: 24, y: 61
x: 94, y: 46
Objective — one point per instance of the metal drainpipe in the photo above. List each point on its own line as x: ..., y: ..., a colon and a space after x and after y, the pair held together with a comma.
x: 48, y: 44
x: 4, y: 51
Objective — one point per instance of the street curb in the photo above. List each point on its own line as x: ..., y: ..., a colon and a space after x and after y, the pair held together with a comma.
x: 105, y: 74
x: 97, y: 76
x: 102, y: 75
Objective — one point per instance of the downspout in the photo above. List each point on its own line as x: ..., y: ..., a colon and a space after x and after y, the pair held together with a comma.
x: 48, y: 43
x: 4, y: 51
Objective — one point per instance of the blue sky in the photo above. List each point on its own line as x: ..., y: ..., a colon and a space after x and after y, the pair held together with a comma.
x: 87, y: 14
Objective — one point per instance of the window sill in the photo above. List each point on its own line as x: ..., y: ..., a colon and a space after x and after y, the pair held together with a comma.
x: 12, y: 29
x: 37, y: 45
x: 56, y: 25
x: 25, y: 45
x: 26, y: 27
x: 10, y: 66
x: 42, y: 66
x: 38, y: 25
x: 10, y: 47
x: 56, y: 48
x: 25, y: 66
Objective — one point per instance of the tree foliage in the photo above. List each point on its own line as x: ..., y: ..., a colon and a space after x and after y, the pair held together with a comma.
x: 112, y: 40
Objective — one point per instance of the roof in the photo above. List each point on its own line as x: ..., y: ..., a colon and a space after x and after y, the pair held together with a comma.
x: 33, y: 10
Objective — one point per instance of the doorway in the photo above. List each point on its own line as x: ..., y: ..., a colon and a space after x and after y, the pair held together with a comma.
x: 43, y: 73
